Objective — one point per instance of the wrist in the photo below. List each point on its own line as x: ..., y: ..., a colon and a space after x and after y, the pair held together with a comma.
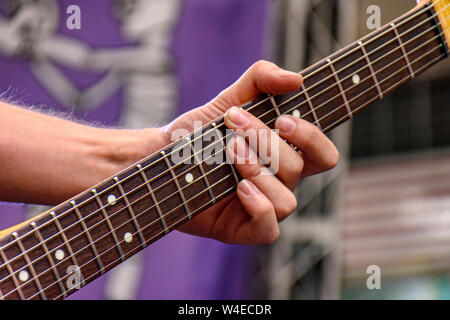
x: 122, y: 148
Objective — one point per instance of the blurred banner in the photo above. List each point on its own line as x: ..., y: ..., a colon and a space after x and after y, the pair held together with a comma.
x: 134, y: 63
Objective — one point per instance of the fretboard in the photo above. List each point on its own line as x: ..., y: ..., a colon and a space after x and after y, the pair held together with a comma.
x: 81, y: 239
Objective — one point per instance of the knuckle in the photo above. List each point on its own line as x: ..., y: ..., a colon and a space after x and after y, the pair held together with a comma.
x: 333, y: 160
x: 310, y: 134
x: 252, y: 170
x: 288, y: 206
x: 272, y: 236
x: 296, y: 169
x: 259, y: 64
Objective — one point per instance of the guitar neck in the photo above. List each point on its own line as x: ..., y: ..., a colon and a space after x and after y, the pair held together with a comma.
x: 76, y: 242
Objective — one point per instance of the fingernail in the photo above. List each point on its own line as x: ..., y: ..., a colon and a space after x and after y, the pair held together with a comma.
x: 284, y: 73
x: 286, y: 124
x: 247, y: 187
x: 237, y: 117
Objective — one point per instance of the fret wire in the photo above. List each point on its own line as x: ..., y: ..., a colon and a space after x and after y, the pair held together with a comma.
x: 344, y: 96
x: 236, y: 178
x: 12, y: 275
x: 402, y: 47
x: 108, y: 222
x: 202, y: 170
x: 311, y: 107
x: 420, y: 11
x: 49, y: 259
x: 88, y: 235
x: 422, y: 33
x: 130, y: 210
x: 175, y: 180
x: 155, y: 201
x: 66, y: 244
x: 390, y: 88
x: 65, y: 241
x: 275, y: 106
x: 36, y: 280
x: 1, y: 295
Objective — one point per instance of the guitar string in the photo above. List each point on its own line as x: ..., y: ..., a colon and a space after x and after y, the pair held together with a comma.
x: 112, y: 247
x: 160, y: 186
x: 305, y: 103
x: 333, y: 74
x: 364, y: 92
x: 390, y: 88
x: 160, y: 201
x: 252, y: 107
x: 199, y: 164
x: 135, y: 233
x: 395, y: 84
x: 371, y: 40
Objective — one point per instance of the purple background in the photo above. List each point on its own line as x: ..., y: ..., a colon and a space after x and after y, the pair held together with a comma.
x: 213, y: 43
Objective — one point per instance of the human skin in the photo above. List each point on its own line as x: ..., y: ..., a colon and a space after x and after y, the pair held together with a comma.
x: 46, y: 159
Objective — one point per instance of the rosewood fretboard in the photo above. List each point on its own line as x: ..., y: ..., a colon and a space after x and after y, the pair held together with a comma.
x: 93, y: 232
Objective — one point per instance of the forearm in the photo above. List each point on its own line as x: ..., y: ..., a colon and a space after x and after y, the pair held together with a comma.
x: 47, y: 160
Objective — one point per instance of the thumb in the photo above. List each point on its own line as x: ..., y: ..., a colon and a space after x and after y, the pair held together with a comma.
x: 261, y: 77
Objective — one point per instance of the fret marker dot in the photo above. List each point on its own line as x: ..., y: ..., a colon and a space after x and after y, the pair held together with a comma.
x: 296, y: 113
x: 189, y: 177
x: 59, y: 254
x: 111, y: 199
x: 356, y: 79
x: 128, y: 237
x: 23, y: 276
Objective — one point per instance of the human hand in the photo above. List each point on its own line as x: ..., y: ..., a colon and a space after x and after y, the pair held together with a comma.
x: 252, y: 213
